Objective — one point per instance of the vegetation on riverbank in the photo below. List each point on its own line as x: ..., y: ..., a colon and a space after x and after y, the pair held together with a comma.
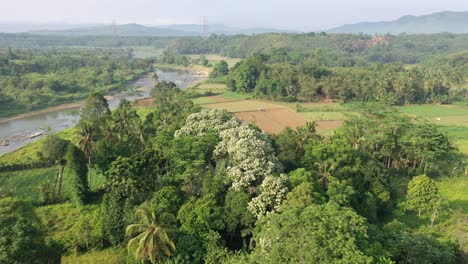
x: 34, y: 80
x: 215, y: 189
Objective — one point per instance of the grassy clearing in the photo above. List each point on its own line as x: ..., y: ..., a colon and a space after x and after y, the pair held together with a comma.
x: 433, y: 110
x: 455, y: 190
x: 208, y: 88
x: 452, y: 221
x: 25, y: 183
x: 191, y: 67
x: 214, y: 58
x: 206, y: 100
x: 323, y: 116
x: 244, y: 106
x: 108, y: 256
x: 58, y: 219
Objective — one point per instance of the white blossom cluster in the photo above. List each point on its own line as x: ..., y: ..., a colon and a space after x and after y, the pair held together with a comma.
x: 273, y: 192
x: 265, y: 244
x: 199, y: 124
x: 248, y: 152
x: 250, y: 156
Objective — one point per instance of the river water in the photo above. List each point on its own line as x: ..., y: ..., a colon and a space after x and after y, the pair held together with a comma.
x: 18, y: 132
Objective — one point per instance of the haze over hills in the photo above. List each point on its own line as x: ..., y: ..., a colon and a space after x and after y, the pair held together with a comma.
x: 156, y: 31
x: 447, y: 21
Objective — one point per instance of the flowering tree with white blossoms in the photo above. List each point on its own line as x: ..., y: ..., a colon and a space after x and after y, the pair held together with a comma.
x: 273, y: 192
x: 198, y: 124
x: 248, y: 154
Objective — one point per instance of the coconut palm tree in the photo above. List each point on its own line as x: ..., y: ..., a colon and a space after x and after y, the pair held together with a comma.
x: 85, y: 137
x: 149, y: 238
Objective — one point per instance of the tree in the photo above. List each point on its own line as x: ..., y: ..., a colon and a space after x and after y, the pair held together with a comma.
x: 220, y: 69
x: 324, y: 233
x: 20, y: 238
x: 423, y: 196
x: 273, y: 191
x: 199, y: 216
x: 406, y: 247
x: 113, y: 217
x: 76, y: 172
x: 54, y: 149
x: 149, y: 237
x: 238, y: 219
x: 86, y: 137
x: 138, y: 176
x: 247, y: 152
x: 95, y: 110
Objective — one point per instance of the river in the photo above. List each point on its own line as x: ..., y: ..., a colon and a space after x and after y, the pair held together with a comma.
x: 21, y: 131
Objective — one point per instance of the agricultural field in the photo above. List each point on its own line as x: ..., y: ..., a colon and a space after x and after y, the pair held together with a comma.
x: 453, y: 120
x: 273, y: 116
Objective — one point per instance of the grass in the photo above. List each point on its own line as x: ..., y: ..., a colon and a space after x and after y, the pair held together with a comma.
x: 244, y: 106
x: 58, y: 219
x: 455, y: 190
x: 108, y: 256
x: 451, y: 221
x: 25, y: 183
x: 192, y: 67
x: 432, y: 110
x: 321, y: 116
x: 205, y: 100
x: 214, y: 58
x: 235, y: 96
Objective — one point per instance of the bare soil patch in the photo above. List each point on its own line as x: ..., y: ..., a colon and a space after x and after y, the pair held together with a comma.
x: 147, y: 102
x: 274, y: 120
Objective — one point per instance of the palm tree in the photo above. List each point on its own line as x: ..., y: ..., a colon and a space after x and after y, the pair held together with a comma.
x: 85, y: 137
x: 150, y: 238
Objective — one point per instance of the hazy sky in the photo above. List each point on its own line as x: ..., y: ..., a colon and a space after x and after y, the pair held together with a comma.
x: 286, y: 14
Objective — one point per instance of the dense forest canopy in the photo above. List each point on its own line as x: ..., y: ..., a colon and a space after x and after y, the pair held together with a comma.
x: 187, y: 185
x: 173, y: 182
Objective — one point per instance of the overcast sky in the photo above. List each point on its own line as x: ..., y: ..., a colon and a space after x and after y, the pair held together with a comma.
x: 283, y: 14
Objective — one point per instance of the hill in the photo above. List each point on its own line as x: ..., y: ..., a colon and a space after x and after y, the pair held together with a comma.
x: 132, y: 30
x: 127, y: 30
x: 447, y: 21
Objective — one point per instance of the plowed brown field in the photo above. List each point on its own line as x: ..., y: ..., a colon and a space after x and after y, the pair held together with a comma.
x: 273, y: 120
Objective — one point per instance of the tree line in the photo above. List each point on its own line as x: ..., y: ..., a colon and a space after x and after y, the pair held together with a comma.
x: 264, y: 76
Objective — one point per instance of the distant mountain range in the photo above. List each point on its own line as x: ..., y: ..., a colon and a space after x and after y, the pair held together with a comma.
x: 155, y: 31
x: 447, y: 21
